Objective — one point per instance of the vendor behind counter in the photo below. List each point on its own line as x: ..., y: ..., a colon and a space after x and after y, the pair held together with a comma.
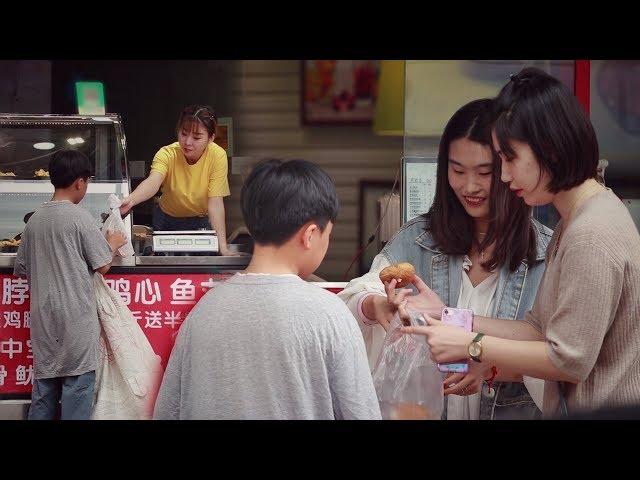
x: 193, y: 175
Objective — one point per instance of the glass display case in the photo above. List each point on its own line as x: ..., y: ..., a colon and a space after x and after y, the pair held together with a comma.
x: 27, y: 143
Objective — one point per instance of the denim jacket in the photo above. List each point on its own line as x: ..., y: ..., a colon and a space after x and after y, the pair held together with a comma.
x: 515, y: 294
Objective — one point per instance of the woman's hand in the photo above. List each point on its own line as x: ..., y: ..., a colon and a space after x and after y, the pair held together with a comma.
x: 448, y: 343
x: 125, y: 206
x: 380, y: 308
x: 395, y: 297
x: 143, y: 192
x: 426, y: 301
x: 467, y: 383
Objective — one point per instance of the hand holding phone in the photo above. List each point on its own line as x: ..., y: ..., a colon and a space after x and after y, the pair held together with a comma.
x: 460, y: 317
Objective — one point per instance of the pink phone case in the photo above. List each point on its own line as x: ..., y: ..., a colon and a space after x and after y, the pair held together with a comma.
x: 460, y: 317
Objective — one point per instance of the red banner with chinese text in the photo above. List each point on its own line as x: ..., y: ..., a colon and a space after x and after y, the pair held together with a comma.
x: 159, y: 302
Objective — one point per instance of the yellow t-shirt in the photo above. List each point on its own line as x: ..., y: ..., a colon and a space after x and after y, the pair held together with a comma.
x: 187, y: 188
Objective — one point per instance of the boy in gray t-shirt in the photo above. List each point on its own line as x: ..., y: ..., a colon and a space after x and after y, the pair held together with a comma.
x: 61, y: 247
x: 266, y: 344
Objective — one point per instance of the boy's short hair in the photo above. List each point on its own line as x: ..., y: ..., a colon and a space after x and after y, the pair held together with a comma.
x: 66, y: 166
x: 280, y: 197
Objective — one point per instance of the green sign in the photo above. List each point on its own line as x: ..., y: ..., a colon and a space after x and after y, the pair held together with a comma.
x: 90, y: 98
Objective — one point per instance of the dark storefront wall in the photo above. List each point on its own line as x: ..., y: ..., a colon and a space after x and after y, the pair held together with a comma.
x: 148, y: 95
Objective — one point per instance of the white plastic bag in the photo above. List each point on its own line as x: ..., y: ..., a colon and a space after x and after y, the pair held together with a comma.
x: 129, y: 372
x: 408, y: 383
x: 114, y: 223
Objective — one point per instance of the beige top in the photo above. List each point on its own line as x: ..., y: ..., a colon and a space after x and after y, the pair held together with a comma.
x: 588, y: 307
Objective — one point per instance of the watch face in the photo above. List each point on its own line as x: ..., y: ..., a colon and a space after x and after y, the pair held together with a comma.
x: 475, y: 349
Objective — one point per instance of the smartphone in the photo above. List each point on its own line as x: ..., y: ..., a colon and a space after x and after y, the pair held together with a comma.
x: 460, y: 317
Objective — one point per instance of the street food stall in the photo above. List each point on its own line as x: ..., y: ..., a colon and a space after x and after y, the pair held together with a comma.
x: 168, y: 274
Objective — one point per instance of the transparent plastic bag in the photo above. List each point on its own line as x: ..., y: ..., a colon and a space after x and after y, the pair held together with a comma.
x: 407, y: 382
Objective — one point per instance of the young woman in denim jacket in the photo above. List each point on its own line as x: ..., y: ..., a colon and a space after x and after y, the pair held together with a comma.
x: 455, y: 251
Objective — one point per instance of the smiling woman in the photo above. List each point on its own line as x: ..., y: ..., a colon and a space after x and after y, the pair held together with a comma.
x: 470, y: 175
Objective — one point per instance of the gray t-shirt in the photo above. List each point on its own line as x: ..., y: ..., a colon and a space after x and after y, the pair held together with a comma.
x: 61, y: 246
x: 268, y: 347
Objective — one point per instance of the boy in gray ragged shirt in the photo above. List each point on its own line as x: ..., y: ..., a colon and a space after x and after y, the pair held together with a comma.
x: 61, y: 247
x: 266, y: 344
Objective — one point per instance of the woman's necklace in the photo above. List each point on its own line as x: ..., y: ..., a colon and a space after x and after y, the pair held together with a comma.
x: 481, y: 252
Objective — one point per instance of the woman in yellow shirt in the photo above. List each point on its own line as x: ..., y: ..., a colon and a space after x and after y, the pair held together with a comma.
x: 193, y: 175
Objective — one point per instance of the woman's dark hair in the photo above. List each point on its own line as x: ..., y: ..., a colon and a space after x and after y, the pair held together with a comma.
x: 195, y: 115
x: 278, y: 198
x: 66, y: 166
x: 537, y: 109
x: 450, y: 225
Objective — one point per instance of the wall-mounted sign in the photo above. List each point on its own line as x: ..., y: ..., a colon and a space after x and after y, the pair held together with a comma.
x: 418, y: 185
x: 90, y: 98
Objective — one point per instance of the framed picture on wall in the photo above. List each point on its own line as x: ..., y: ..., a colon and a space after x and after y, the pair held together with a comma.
x: 224, y: 134
x: 339, y: 91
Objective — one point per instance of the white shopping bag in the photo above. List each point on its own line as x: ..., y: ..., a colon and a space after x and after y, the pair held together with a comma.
x: 129, y: 372
x: 114, y: 223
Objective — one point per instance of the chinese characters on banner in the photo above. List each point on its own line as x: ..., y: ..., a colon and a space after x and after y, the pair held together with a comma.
x: 160, y: 303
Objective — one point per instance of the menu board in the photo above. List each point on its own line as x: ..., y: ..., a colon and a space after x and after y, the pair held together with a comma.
x: 418, y: 185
